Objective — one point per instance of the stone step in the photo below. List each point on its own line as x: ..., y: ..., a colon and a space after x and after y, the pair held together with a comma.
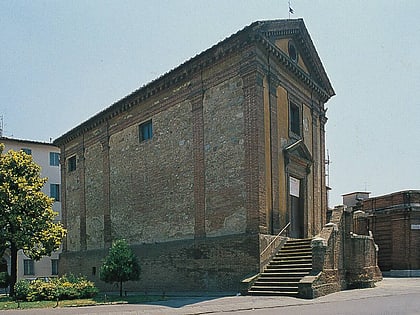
x: 293, y: 254
x: 281, y: 275
x: 271, y: 284
x: 294, y: 257
x: 291, y: 271
x: 285, y: 270
x: 268, y: 278
x: 277, y: 288
x: 296, y: 249
x: 273, y: 293
x: 299, y: 241
x: 274, y: 265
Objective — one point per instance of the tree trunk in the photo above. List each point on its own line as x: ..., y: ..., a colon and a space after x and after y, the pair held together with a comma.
x: 13, y: 268
x: 121, y: 288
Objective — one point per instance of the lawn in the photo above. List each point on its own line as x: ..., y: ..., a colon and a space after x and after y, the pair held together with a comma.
x: 7, y: 303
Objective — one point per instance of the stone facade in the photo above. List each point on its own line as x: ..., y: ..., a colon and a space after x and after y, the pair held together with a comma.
x: 232, y: 129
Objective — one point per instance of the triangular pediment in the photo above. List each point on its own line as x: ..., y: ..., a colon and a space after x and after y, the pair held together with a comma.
x: 299, y: 150
x: 295, y: 47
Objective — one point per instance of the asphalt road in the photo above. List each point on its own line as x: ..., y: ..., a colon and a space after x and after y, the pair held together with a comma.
x: 390, y: 296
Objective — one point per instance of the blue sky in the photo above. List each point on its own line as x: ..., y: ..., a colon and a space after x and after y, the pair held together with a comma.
x: 61, y: 62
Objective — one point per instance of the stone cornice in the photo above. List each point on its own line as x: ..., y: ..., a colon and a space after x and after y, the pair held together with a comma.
x: 294, y: 69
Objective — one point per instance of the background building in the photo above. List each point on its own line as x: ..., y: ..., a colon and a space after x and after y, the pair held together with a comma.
x: 47, y: 156
x: 197, y: 169
x: 394, y: 220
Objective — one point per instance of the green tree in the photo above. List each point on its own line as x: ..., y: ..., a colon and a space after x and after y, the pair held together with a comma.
x: 120, y: 265
x: 26, y: 214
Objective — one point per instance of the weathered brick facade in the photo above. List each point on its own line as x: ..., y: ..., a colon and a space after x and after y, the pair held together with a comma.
x: 232, y: 127
x: 394, y: 220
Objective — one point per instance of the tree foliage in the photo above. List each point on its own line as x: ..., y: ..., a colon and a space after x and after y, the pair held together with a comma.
x: 120, y: 265
x: 26, y: 217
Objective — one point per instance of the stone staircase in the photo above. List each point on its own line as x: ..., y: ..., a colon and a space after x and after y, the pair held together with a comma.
x: 286, y: 269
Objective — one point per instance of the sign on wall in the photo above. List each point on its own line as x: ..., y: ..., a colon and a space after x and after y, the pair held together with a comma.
x: 294, y: 185
x: 415, y: 226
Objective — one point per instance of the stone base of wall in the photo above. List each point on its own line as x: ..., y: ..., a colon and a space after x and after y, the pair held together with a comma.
x: 206, y: 265
x: 325, y: 282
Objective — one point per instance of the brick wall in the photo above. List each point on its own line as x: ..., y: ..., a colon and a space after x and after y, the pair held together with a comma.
x: 223, y: 116
x: 213, y: 264
x: 391, y: 220
x: 214, y: 168
x: 340, y: 259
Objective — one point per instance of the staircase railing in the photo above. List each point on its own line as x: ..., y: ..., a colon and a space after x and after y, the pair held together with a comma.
x: 274, y: 239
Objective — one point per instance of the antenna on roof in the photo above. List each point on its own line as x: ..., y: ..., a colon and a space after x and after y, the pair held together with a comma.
x: 291, y: 11
x: 327, y: 173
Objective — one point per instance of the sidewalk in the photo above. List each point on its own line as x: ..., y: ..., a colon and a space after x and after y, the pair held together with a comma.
x: 232, y: 304
x: 386, y: 287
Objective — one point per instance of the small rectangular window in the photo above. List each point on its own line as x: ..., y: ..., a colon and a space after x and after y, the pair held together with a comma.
x: 71, y: 164
x: 146, y: 131
x: 54, y: 158
x: 54, y: 267
x: 295, y: 119
x: 28, y: 267
x: 27, y: 151
x: 55, y: 191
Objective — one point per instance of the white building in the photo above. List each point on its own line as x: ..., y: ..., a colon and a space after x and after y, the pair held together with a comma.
x: 47, y: 156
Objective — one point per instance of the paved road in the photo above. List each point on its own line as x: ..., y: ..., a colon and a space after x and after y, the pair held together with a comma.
x: 391, y: 296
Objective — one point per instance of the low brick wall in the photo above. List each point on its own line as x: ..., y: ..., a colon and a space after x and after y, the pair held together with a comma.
x: 207, y: 265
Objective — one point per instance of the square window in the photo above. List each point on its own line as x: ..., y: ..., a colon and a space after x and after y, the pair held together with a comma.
x: 71, y: 164
x: 54, y: 267
x: 146, y: 131
x: 28, y: 267
x: 27, y: 151
x: 295, y: 119
x: 54, y: 158
x: 55, y: 191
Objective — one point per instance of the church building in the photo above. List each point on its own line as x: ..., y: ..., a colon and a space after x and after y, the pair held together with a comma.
x: 200, y: 167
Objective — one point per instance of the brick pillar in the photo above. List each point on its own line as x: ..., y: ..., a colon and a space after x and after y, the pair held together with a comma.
x: 81, y: 169
x: 106, y: 188
x: 275, y: 161
x: 324, y: 196
x: 196, y: 98
x: 319, y: 250
x: 252, y: 104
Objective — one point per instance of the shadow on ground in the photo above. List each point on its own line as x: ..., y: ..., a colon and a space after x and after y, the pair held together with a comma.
x: 181, y: 301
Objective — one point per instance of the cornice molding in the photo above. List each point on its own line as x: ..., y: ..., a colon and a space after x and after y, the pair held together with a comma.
x: 236, y: 43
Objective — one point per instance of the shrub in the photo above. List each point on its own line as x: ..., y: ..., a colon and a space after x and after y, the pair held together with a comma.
x: 42, y: 291
x: 65, y: 288
x: 21, y: 290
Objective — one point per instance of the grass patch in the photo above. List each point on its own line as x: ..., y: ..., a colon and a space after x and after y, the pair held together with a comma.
x: 6, y: 303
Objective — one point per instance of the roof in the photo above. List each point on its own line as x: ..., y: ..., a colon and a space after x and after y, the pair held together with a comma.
x: 401, y: 192
x: 22, y: 141
x: 356, y: 192
x: 260, y: 32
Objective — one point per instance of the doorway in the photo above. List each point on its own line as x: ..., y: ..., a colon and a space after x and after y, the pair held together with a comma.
x: 296, y: 209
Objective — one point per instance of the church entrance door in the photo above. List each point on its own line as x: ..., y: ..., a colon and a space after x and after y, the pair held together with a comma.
x: 296, y: 209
